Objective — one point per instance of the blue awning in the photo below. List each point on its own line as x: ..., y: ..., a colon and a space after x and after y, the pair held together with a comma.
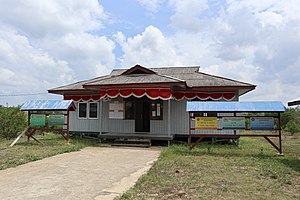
x: 246, y: 106
x: 48, y: 105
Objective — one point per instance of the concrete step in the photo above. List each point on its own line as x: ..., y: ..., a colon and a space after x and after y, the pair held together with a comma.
x: 132, y: 142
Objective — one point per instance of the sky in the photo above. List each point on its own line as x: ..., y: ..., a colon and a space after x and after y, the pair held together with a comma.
x: 46, y: 44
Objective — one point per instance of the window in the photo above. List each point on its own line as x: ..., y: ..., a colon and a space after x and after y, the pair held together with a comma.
x: 82, y: 108
x: 88, y: 110
x: 93, y: 111
x: 156, y: 110
x: 129, y: 110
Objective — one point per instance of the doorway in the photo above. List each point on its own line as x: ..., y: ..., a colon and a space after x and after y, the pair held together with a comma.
x: 142, y: 116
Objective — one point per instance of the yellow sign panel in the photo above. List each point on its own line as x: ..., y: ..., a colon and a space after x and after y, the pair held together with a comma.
x: 207, y: 123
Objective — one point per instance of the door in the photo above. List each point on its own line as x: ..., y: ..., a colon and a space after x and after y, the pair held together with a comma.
x: 142, y: 116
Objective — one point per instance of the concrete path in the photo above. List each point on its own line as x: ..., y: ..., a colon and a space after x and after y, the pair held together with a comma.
x: 92, y: 173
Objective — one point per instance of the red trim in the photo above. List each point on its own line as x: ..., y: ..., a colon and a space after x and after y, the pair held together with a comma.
x: 154, y: 94
x: 165, y: 85
x: 113, y: 93
x: 139, y: 93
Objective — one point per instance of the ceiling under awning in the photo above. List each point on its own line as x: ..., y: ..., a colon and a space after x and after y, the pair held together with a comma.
x: 154, y: 94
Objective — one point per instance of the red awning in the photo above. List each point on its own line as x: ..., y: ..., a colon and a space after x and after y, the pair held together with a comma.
x: 153, y: 94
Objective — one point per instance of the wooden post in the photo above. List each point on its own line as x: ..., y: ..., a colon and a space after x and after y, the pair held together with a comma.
x: 28, y: 118
x: 280, y: 144
x: 169, y: 120
x: 190, y: 134
x: 68, y: 122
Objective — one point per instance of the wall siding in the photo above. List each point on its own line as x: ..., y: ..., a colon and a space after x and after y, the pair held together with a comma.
x: 179, y: 120
x: 115, y: 125
x: 179, y: 117
x: 84, y: 125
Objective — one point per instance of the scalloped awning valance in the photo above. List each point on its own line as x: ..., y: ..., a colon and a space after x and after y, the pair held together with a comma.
x: 153, y: 94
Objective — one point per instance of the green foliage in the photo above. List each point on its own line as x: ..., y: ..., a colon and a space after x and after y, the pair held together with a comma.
x: 12, y: 121
x: 290, y: 120
x: 292, y: 127
x: 288, y: 115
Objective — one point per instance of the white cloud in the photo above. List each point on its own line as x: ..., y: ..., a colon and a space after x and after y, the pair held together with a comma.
x: 187, y: 14
x: 151, y: 5
x: 89, y: 55
x: 55, y: 17
x: 149, y: 48
x: 25, y: 69
x: 44, y: 44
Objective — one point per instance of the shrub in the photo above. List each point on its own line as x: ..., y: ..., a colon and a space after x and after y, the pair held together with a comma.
x: 12, y: 121
x: 292, y: 127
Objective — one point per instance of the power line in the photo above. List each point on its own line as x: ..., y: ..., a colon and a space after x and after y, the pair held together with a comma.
x: 19, y: 95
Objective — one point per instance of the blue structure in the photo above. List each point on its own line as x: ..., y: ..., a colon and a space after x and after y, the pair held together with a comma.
x: 48, y: 105
x: 246, y: 106
x: 209, y: 114
x: 42, y: 106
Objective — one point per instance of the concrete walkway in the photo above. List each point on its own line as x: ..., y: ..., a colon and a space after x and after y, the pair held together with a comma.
x: 92, y: 173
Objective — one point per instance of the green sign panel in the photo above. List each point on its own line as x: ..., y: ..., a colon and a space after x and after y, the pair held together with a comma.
x: 37, y: 120
x: 56, y: 120
x: 233, y: 122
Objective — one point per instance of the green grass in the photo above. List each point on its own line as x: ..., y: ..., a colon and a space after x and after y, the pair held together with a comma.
x: 250, y: 171
x: 52, y: 144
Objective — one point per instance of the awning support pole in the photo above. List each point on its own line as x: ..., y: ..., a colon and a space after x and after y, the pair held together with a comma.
x: 100, y: 117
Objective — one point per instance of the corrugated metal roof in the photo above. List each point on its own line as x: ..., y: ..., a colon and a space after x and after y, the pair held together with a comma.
x: 46, y: 105
x: 246, y: 106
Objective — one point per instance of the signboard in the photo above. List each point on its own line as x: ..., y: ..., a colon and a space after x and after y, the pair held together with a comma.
x: 233, y: 123
x: 264, y: 123
x: 56, y: 120
x: 37, y: 120
x: 116, y: 110
x: 206, y: 123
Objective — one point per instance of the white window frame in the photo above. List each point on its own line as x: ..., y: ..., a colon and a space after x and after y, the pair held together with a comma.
x: 88, y: 110
x: 97, y: 103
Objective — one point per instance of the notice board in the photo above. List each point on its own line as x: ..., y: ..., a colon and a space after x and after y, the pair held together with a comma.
x: 206, y: 123
x: 116, y: 110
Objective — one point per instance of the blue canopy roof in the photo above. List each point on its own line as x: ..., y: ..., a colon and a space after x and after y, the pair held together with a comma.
x: 61, y: 105
x: 246, y: 106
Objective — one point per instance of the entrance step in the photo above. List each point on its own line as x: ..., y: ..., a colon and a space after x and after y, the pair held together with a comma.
x: 132, y: 142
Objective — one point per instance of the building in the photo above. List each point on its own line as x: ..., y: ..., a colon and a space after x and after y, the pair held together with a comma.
x: 294, y: 102
x: 145, y: 101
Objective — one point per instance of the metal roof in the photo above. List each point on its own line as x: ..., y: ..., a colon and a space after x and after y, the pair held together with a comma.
x: 53, y: 105
x: 294, y: 102
x: 246, y: 106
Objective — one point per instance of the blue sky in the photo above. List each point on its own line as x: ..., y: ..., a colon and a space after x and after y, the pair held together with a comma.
x: 45, y: 44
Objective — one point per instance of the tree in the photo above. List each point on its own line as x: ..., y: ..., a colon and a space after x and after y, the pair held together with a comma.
x: 293, y: 127
x: 290, y: 120
x: 12, y: 121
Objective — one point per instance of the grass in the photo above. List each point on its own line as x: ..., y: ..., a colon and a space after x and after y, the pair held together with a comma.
x: 52, y: 144
x: 250, y: 171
